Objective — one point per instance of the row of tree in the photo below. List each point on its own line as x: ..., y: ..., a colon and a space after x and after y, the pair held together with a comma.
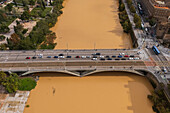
x: 124, y: 20
x: 137, y: 19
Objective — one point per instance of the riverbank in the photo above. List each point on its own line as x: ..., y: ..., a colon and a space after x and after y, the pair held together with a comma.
x: 89, y: 24
x: 103, y: 92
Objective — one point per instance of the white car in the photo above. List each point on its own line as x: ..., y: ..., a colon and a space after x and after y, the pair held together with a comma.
x: 136, y: 58
x: 101, y: 56
x: 61, y: 57
x: 130, y: 58
x: 121, y: 53
x: 94, y: 58
x: 83, y: 56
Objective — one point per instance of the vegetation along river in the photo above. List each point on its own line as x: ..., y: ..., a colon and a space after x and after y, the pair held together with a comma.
x: 109, y: 92
x: 89, y: 24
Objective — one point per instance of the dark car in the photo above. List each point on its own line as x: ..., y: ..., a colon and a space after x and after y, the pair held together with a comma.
x: 97, y: 53
x: 113, y: 56
x: 107, y: 56
x: 68, y: 57
x: 123, y: 59
x: 94, y: 56
x: 132, y: 56
x: 55, y: 56
x: 109, y: 59
x: 48, y: 56
x: 102, y: 59
x: 77, y: 57
x: 61, y: 55
x: 34, y: 57
x: 117, y: 59
x: 119, y: 56
x: 28, y: 58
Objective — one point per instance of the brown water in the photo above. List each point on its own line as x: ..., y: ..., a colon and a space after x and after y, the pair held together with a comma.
x: 89, y: 24
x: 103, y: 93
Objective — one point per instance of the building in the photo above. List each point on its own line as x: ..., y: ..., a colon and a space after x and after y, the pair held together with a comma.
x: 160, y: 9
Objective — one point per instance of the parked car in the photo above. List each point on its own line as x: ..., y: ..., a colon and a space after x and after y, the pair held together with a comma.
x: 109, y: 59
x: 101, y: 56
x: 27, y: 58
x: 83, y: 57
x: 68, y: 57
x: 102, y: 59
x: 117, y: 59
x: 136, y: 58
x: 132, y: 56
x: 61, y: 55
x: 107, y: 56
x: 97, y: 53
x: 123, y: 59
x: 48, y: 56
x: 119, y: 56
x: 94, y: 58
x: 77, y: 57
x: 113, y: 56
x: 34, y: 57
x: 88, y: 56
x: 126, y: 56
x: 55, y: 56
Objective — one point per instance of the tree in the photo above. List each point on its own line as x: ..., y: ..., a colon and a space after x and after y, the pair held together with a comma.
x: 25, y: 3
x: 25, y: 16
x: 152, y: 21
x: 11, y: 83
x: 132, y: 9
x: 2, y: 77
x: 136, y: 18
x: 4, y: 28
x: 126, y: 27
x: 138, y: 25
x: 15, y: 2
x: 121, y: 7
x: 9, y: 7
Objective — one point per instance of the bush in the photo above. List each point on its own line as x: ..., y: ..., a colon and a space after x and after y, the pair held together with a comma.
x: 2, y: 37
x: 27, y: 106
x: 27, y: 84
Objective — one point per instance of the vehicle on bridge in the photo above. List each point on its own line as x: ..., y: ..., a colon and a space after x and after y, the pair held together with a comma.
x: 155, y: 49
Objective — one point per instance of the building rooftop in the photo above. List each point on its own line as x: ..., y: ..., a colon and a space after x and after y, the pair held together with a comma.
x: 161, y: 7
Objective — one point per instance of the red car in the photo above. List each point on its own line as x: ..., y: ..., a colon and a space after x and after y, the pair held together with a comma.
x: 77, y: 56
x: 28, y: 57
x: 126, y: 56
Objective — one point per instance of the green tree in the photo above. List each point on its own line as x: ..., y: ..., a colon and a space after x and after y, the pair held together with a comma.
x: 15, y: 3
x: 4, y: 28
x: 3, y: 77
x: 25, y: 3
x: 121, y: 7
x: 136, y: 18
x: 11, y: 83
x: 138, y: 25
x: 132, y: 9
x: 25, y: 16
x: 152, y: 21
x: 9, y: 7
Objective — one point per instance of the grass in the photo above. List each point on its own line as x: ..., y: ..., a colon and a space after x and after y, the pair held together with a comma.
x: 39, y: 12
x: 27, y: 84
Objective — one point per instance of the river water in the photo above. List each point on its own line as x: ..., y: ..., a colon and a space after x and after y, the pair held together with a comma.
x: 109, y: 92
x: 89, y: 24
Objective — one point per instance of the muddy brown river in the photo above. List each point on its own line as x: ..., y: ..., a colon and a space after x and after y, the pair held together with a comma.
x: 89, y: 24
x: 109, y: 92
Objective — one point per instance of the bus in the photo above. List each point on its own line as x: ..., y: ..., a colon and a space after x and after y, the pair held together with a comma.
x: 155, y: 49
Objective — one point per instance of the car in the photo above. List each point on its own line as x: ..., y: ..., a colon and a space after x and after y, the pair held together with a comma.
x: 48, y: 56
x: 101, y: 56
x: 113, y: 56
x: 28, y: 58
x: 119, y: 56
x: 97, y: 53
x: 83, y: 57
x: 102, y: 59
x: 136, y: 58
x: 55, y: 56
x: 94, y: 58
x: 107, y: 56
x: 40, y: 56
x: 132, y: 56
x: 121, y: 53
x: 61, y: 55
x: 164, y: 70
x: 77, y: 57
x: 68, y: 57
x: 88, y: 56
x: 126, y: 56
x: 117, y: 59
x: 34, y: 57
x: 123, y: 59
x: 109, y: 59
